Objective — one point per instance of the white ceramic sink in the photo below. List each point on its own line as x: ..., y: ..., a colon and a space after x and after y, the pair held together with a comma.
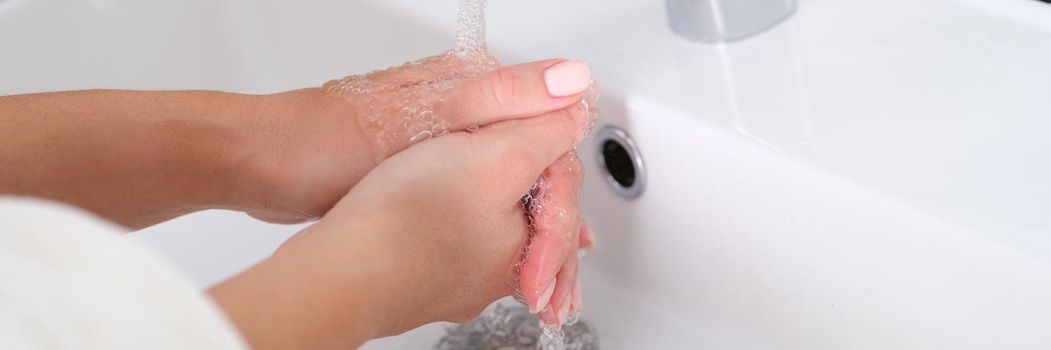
x: 867, y: 175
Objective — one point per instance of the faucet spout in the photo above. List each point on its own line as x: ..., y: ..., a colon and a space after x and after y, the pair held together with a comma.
x: 726, y: 20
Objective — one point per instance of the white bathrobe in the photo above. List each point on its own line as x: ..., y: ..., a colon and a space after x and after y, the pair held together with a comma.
x: 69, y: 281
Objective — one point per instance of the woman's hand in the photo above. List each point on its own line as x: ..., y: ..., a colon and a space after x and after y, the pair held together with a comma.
x: 433, y: 233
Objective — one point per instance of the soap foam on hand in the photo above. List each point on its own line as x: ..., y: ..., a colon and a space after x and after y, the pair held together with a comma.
x: 398, y: 107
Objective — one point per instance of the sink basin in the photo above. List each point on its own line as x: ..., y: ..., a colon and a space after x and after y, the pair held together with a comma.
x: 866, y: 175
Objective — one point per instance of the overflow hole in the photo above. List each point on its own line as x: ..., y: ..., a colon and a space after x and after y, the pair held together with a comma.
x: 621, y: 162
x: 618, y: 163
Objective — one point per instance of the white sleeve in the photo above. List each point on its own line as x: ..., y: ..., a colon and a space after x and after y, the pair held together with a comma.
x: 69, y: 281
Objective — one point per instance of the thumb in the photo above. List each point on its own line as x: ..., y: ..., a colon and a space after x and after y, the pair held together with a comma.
x: 514, y: 92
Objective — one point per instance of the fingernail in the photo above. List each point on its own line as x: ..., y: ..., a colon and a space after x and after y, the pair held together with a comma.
x: 563, y: 312
x: 544, y: 298
x: 567, y: 78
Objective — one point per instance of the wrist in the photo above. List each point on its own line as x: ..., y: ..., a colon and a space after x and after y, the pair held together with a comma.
x: 299, y: 152
x: 309, y: 295
x: 223, y: 143
x: 260, y: 155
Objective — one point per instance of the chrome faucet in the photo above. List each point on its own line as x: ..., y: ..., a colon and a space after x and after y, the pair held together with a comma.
x: 726, y: 20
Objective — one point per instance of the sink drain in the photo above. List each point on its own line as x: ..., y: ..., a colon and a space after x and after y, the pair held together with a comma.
x: 621, y: 162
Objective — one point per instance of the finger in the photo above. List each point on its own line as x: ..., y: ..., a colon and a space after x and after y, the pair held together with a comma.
x: 557, y: 222
x: 515, y: 92
x: 511, y: 155
x: 557, y: 311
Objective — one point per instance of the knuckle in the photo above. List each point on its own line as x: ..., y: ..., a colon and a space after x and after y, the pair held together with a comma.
x: 506, y: 87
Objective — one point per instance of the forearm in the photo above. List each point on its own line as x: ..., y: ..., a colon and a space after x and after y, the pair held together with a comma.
x: 137, y: 158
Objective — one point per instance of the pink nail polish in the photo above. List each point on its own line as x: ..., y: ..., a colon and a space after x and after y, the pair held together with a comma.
x: 544, y: 299
x: 567, y: 78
